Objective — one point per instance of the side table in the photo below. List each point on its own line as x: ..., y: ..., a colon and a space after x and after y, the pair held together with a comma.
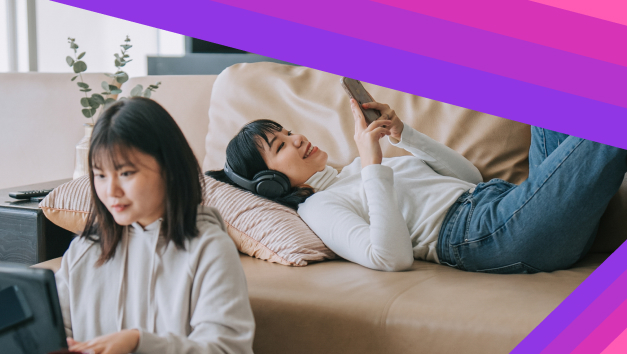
x: 26, y: 235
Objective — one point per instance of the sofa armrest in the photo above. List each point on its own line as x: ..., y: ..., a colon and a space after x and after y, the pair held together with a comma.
x: 53, y: 264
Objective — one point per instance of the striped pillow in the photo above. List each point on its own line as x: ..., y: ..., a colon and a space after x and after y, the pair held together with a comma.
x: 259, y: 227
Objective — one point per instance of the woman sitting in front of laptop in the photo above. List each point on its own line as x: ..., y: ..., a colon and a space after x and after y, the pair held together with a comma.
x: 383, y: 213
x: 153, y: 271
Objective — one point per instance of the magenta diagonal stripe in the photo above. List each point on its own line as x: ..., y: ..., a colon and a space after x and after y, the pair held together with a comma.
x: 590, y: 318
x: 618, y: 346
x: 606, y: 332
x: 455, y: 43
x: 576, y: 304
x: 533, y: 22
x: 609, y: 10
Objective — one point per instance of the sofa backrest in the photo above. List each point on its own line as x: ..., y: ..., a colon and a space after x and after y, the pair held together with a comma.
x: 41, y: 120
x: 186, y: 98
x: 41, y: 123
x: 313, y: 103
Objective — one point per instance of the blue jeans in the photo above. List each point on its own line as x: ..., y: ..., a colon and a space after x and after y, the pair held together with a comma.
x: 544, y: 224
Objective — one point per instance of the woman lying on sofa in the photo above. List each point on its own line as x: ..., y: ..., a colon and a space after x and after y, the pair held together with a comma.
x: 383, y: 213
x: 153, y: 271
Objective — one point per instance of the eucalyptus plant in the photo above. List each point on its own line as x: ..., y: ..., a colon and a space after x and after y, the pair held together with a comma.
x: 104, y: 99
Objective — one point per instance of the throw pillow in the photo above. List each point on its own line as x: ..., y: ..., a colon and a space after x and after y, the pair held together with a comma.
x: 259, y: 227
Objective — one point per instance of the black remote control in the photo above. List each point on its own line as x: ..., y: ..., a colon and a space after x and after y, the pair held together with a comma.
x: 29, y: 194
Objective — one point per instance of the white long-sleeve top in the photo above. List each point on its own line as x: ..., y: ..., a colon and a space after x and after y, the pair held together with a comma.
x: 181, y: 301
x: 385, y: 216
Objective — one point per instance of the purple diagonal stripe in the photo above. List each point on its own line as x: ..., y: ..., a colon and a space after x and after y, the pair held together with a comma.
x: 455, y: 43
x: 577, y: 303
x: 590, y: 318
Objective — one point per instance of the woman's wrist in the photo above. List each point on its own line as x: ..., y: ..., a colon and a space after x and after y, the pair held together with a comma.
x: 369, y: 161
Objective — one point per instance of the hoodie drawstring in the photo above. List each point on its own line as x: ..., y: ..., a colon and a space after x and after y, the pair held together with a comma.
x: 122, y: 285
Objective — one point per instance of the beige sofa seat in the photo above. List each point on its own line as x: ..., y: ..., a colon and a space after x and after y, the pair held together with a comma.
x: 341, y: 307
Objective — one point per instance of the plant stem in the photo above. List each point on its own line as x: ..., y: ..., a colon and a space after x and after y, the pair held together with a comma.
x: 81, y: 75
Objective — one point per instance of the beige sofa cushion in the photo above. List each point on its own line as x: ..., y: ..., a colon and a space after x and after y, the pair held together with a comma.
x: 259, y: 227
x: 613, y: 226
x: 313, y: 103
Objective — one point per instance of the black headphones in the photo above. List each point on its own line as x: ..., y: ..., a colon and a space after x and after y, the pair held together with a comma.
x: 268, y: 183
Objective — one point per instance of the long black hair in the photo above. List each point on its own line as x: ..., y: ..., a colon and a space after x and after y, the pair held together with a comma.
x: 142, y: 124
x: 244, y: 157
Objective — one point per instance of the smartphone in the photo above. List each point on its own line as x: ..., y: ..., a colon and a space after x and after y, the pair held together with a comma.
x: 356, y: 90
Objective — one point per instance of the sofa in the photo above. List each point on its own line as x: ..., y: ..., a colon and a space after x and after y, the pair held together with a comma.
x: 332, y: 306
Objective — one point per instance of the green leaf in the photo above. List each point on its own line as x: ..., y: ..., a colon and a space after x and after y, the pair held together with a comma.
x: 85, y: 90
x: 73, y: 45
x: 125, y: 56
x: 122, y: 78
x: 116, y: 91
x: 82, y: 84
x: 126, y: 46
x: 109, y: 75
x: 81, y: 55
x: 74, y: 78
x: 127, y: 39
x: 79, y: 67
x: 109, y: 102
x: 93, y: 111
x: 94, y: 104
x: 147, y: 93
x: 112, y: 87
x: 85, y: 102
x: 105, y: 85
x: 116, y: 55
x: 98, y: 98
x: 87, y: 113
x: 117, y: 62
x: 69, y: 60
x: 137, y: 90
x: 105, y: 93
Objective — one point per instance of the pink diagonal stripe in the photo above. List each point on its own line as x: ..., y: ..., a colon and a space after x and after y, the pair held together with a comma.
x: 590, y: 318
x: 454, y: 43
x: 618, y: 346
x: 610, y: 10
x: 607, y: 332
x: 533, y: 22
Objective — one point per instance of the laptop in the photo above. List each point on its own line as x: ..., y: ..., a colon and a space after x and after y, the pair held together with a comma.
x: 30, y: 313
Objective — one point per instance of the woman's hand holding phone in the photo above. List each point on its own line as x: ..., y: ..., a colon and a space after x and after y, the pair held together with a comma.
x: 387, y: 113
x: 367, y: 136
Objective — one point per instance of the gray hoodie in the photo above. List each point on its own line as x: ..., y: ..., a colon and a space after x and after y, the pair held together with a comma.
x: 181, y: 301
